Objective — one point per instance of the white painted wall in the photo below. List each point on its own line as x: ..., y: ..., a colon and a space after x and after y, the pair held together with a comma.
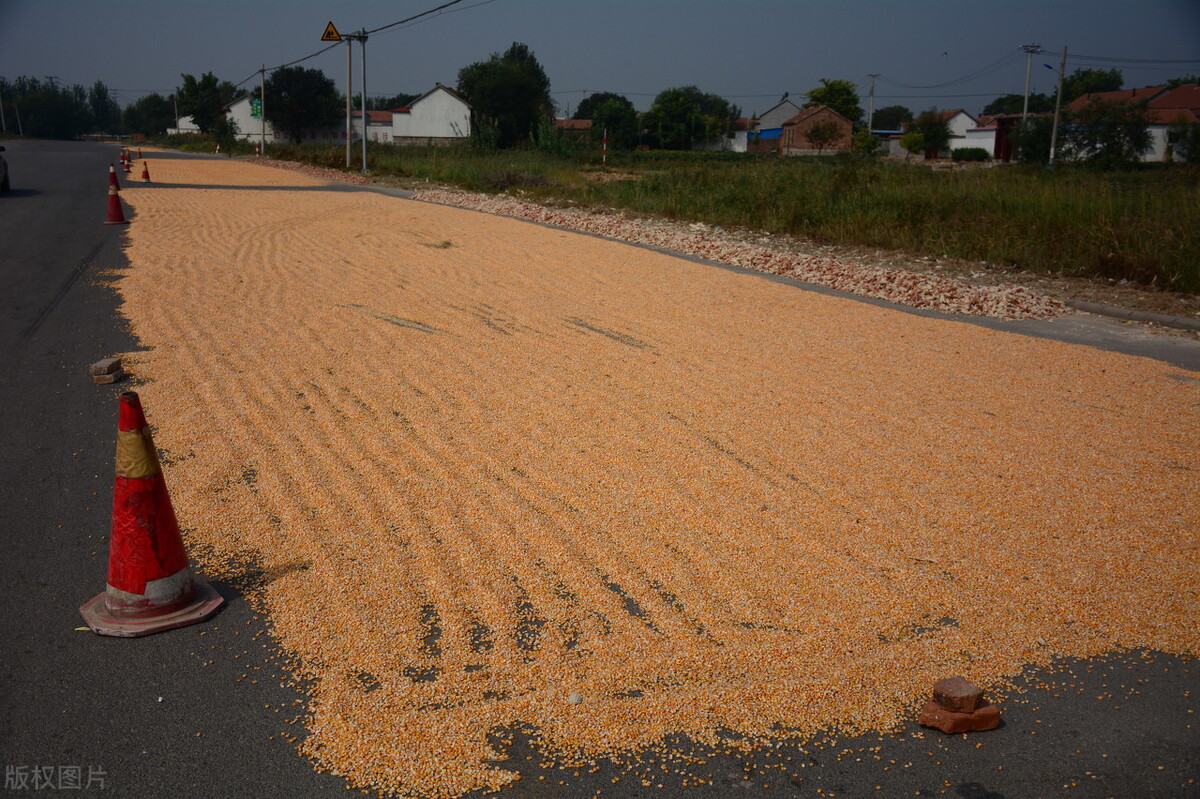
x: 437, y: 115
x: 248, y: 127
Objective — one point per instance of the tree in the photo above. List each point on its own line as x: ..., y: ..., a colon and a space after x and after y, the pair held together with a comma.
x: 204, y: 99
x: 588, y: 105
x: 822, y: 134
x: 1032, y: 141
x: 106, y: 114
x: 682, y: 116
x: 1183, y: 80
x: 913, y: 142
x: 149, y: 116
x: 1184, y: 138
x: 386, y: 103
x: 508, y: 93
x: 618, y: 116
x: 1015, y: 104
x: 891, y: 117
x: 840, y: 95
x: 300, y: 99
x: 48, y: 110
x: 933, y: 129
x: 1109, y: 134
x: 865, y: 142
x: 1089, y: 81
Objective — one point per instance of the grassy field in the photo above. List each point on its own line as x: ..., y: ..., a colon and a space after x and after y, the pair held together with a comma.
x: 1139, y: 225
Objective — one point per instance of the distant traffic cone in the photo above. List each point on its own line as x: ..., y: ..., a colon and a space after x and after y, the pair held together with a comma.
x: 116, y: 215
x: 128, y: 165
x: 112, y: 178
x: 151, y: 587
x: 139, y: 153
x: 145, y: 172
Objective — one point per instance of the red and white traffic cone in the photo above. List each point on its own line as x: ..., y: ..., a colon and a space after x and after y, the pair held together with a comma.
x: 127, y: 163
x: 145, y: 172
x: 151, y: 587
x: 116, y: 214
x: 112, y: 178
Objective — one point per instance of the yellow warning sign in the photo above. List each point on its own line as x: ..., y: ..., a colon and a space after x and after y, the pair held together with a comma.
x: 331, y: 34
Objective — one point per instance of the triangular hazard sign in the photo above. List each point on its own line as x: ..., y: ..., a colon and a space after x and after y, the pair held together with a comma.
x: 331, y: 34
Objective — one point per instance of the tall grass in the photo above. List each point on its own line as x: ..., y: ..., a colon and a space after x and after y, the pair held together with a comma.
x: 1141, y: 225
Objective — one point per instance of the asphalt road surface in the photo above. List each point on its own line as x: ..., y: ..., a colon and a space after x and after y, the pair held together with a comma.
x: 173, y: 715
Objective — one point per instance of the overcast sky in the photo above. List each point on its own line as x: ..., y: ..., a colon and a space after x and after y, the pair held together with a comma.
x: 748, y: 51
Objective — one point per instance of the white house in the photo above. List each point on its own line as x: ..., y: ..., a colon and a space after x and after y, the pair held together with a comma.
x: 244, y: 112
x: 960, y: 122
x: 438, y: 116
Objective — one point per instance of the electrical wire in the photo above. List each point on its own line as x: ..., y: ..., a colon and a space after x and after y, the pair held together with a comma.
x: 1004, y: 61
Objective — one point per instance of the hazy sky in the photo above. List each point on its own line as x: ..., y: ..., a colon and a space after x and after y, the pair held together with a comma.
x: 749, y: 52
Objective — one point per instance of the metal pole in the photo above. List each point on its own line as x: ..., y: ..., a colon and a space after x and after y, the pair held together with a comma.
x: 262, y: 105
x: 871, y: 101
x: 20, y: 128
x: 362, y: 45
x: 1030, y: 51
x: 3, y: 124
x: 1058, y: 105
x: 349, y: 94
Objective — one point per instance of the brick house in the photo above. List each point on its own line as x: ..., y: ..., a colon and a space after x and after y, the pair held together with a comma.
x: 793, y: 137
x: 1165, y: 108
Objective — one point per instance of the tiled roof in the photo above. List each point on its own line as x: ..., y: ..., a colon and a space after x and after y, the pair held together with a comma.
x: 810, y: 112
x: 1123, y: 96
x: 1186, y: 96
x: 572, y: 124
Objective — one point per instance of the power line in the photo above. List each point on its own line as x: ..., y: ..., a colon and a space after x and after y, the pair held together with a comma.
x: 1002, y: 62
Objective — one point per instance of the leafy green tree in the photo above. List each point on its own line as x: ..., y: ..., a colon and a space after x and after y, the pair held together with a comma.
x: 891, y: 117
x: 1089, y: 81
x: 840, y: 95
x: 509, y: 93
x: 618, y: 116
x: 1109, y: 134
x: 913, y: 143
x: 1184, y: 138
x: 1015, y: 104
x: 822, y: 134
x: 203, y: 99
x: 149, y: 116
x: 1031, y: 144
x: 865, y: 142
x: 1183, y: 80
x: 683, y: 116
x: 300, y: 99
x: 106, y: 113
x: 934, y: 130
x: 384, y: 103
x: 588, y: 105
x: 48, y: 110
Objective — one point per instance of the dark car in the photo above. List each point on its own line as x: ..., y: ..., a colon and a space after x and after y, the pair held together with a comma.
x: 3, y: 173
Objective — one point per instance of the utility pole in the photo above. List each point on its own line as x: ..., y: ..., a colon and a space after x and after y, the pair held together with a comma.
x: 362, y: 45
x: 871, y: 101
x: 262, y: 105
x: 1057, y: 106
x: 361, y: 38
x: 1030, y: 51
x: 349, y: 94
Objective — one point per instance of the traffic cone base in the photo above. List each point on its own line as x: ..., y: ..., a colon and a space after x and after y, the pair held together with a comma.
x: 150, y: 586
x: 205, y: 602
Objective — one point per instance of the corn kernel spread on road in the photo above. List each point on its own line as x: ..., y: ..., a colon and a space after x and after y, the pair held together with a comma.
x: 501, y: 474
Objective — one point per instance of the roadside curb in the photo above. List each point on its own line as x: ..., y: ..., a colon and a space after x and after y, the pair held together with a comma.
x: 1134, y: 316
